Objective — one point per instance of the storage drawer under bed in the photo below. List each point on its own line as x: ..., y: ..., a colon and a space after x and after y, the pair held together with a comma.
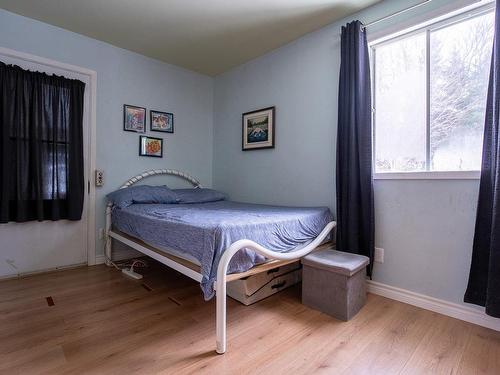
x: 257, y: 287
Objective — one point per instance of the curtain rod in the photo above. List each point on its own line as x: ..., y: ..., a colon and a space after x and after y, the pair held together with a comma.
x: 363, y: 27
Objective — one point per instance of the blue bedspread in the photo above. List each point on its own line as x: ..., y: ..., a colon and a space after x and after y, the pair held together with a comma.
x: 203, y: 231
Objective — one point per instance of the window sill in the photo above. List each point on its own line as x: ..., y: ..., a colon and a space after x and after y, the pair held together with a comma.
x: 455, y: 175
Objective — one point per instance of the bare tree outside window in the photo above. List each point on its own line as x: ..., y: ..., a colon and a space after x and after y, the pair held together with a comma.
x: 460, y: 64
x: 446, y: 136
x: 400, y: 105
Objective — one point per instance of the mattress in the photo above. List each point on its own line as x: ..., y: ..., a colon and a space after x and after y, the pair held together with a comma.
x: 203, y: 231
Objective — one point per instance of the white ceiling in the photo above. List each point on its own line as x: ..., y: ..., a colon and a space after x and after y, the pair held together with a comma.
x: 207, y: 36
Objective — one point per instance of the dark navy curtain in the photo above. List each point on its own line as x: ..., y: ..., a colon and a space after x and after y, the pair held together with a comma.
x: 355, y: 217
x: 484, y: 278
x: 41, y: 146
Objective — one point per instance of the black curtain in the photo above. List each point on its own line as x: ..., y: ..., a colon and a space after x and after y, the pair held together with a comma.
x: 355, y: 214
x: 41, y: 146
x: 484, y: 278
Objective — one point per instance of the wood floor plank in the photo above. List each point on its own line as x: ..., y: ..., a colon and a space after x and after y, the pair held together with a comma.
x: 35, y: 362
x: 388, y: 353
x: 482, y: 353
x: 441, y: 349
x: 104, y: 323
x: 338, y: 350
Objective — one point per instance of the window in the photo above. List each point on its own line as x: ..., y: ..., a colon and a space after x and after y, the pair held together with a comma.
x: 430, y: 89
x: 41, y: 153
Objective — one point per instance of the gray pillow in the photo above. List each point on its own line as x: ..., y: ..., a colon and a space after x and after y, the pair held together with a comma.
x: 198, y: 195
x: 142, y: 194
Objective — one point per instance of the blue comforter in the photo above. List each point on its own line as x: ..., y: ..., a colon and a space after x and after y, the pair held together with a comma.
x: 203, y: 231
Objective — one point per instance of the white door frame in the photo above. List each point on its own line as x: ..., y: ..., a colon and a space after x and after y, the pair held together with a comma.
x: 90, y: 185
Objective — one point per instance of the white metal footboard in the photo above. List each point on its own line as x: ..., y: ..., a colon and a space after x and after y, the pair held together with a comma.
x: 220, y: 288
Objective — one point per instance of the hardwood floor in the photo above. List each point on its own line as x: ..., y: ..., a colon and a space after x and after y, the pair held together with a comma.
x: 101, y: 322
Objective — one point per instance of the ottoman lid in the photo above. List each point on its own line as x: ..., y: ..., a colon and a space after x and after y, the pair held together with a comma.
x: 336, y: 261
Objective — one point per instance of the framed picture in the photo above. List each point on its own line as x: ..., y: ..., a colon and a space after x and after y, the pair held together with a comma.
x: 161, y: 121
x: 258, y: 129
x: 134, y: 119
x: 149, y: 146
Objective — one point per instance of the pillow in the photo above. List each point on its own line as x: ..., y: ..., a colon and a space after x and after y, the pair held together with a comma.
x: 198, y: 195
x: 142, y: 194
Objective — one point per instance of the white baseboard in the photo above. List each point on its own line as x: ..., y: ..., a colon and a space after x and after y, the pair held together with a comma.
x: 100, y: 259
x: 21, y: 275
x: 454, y: 310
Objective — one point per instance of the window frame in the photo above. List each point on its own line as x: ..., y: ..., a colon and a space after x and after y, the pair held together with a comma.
x: 427, y: 27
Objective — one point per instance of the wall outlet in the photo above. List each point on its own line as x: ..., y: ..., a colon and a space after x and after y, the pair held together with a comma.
x: 379, y: 255
x: 11, y: 262
x: 101, y: 233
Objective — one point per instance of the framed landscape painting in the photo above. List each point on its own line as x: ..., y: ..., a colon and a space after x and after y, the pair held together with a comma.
x: 134, y: 119
x: 161, y: 121
x: 258, y: 129
x: 149, y: 146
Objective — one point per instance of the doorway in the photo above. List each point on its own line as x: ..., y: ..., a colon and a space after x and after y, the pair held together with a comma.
x: 42, y: 246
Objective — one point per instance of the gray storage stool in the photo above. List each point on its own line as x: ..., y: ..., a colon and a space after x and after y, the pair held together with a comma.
x: 334, y: 282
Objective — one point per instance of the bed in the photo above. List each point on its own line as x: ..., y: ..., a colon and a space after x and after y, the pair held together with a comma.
x: 217, y: 241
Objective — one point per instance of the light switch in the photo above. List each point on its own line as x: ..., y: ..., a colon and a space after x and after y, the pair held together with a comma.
x: 99, y: 177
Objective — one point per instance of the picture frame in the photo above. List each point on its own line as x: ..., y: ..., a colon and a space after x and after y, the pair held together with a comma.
x: 161, y: 121
x: 134, y: 119
x: 150, y: 146
x: 258, y: 129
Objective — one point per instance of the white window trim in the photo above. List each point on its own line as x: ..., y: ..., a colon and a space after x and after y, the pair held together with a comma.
x: 434, y: 23
x: 428, y: 175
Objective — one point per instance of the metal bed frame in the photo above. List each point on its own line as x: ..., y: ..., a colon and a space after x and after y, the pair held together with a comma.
x: 191, y: 270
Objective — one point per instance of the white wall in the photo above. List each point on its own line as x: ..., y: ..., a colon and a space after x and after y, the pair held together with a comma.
x: 425, y: 227
x: 124, y: 77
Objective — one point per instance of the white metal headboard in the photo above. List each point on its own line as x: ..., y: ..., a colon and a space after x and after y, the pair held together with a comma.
x: 156, y: 172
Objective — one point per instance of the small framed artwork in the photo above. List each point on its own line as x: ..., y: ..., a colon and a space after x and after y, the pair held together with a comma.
x: 258, y: 129
x: 134, y: 119
x: 161, y: 121
x: 149, y: 146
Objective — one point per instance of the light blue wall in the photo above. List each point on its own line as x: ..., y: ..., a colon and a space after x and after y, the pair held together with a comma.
x: 301, y: 81
x: 127, y: 77
x: 425, y: 227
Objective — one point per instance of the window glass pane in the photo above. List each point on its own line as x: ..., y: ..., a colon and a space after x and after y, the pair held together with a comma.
x: 54, y: 172
x: 400, y: 116
x: 460, y: 62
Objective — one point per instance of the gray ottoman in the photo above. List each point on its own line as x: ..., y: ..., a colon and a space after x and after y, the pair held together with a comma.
x: 334, y: 282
